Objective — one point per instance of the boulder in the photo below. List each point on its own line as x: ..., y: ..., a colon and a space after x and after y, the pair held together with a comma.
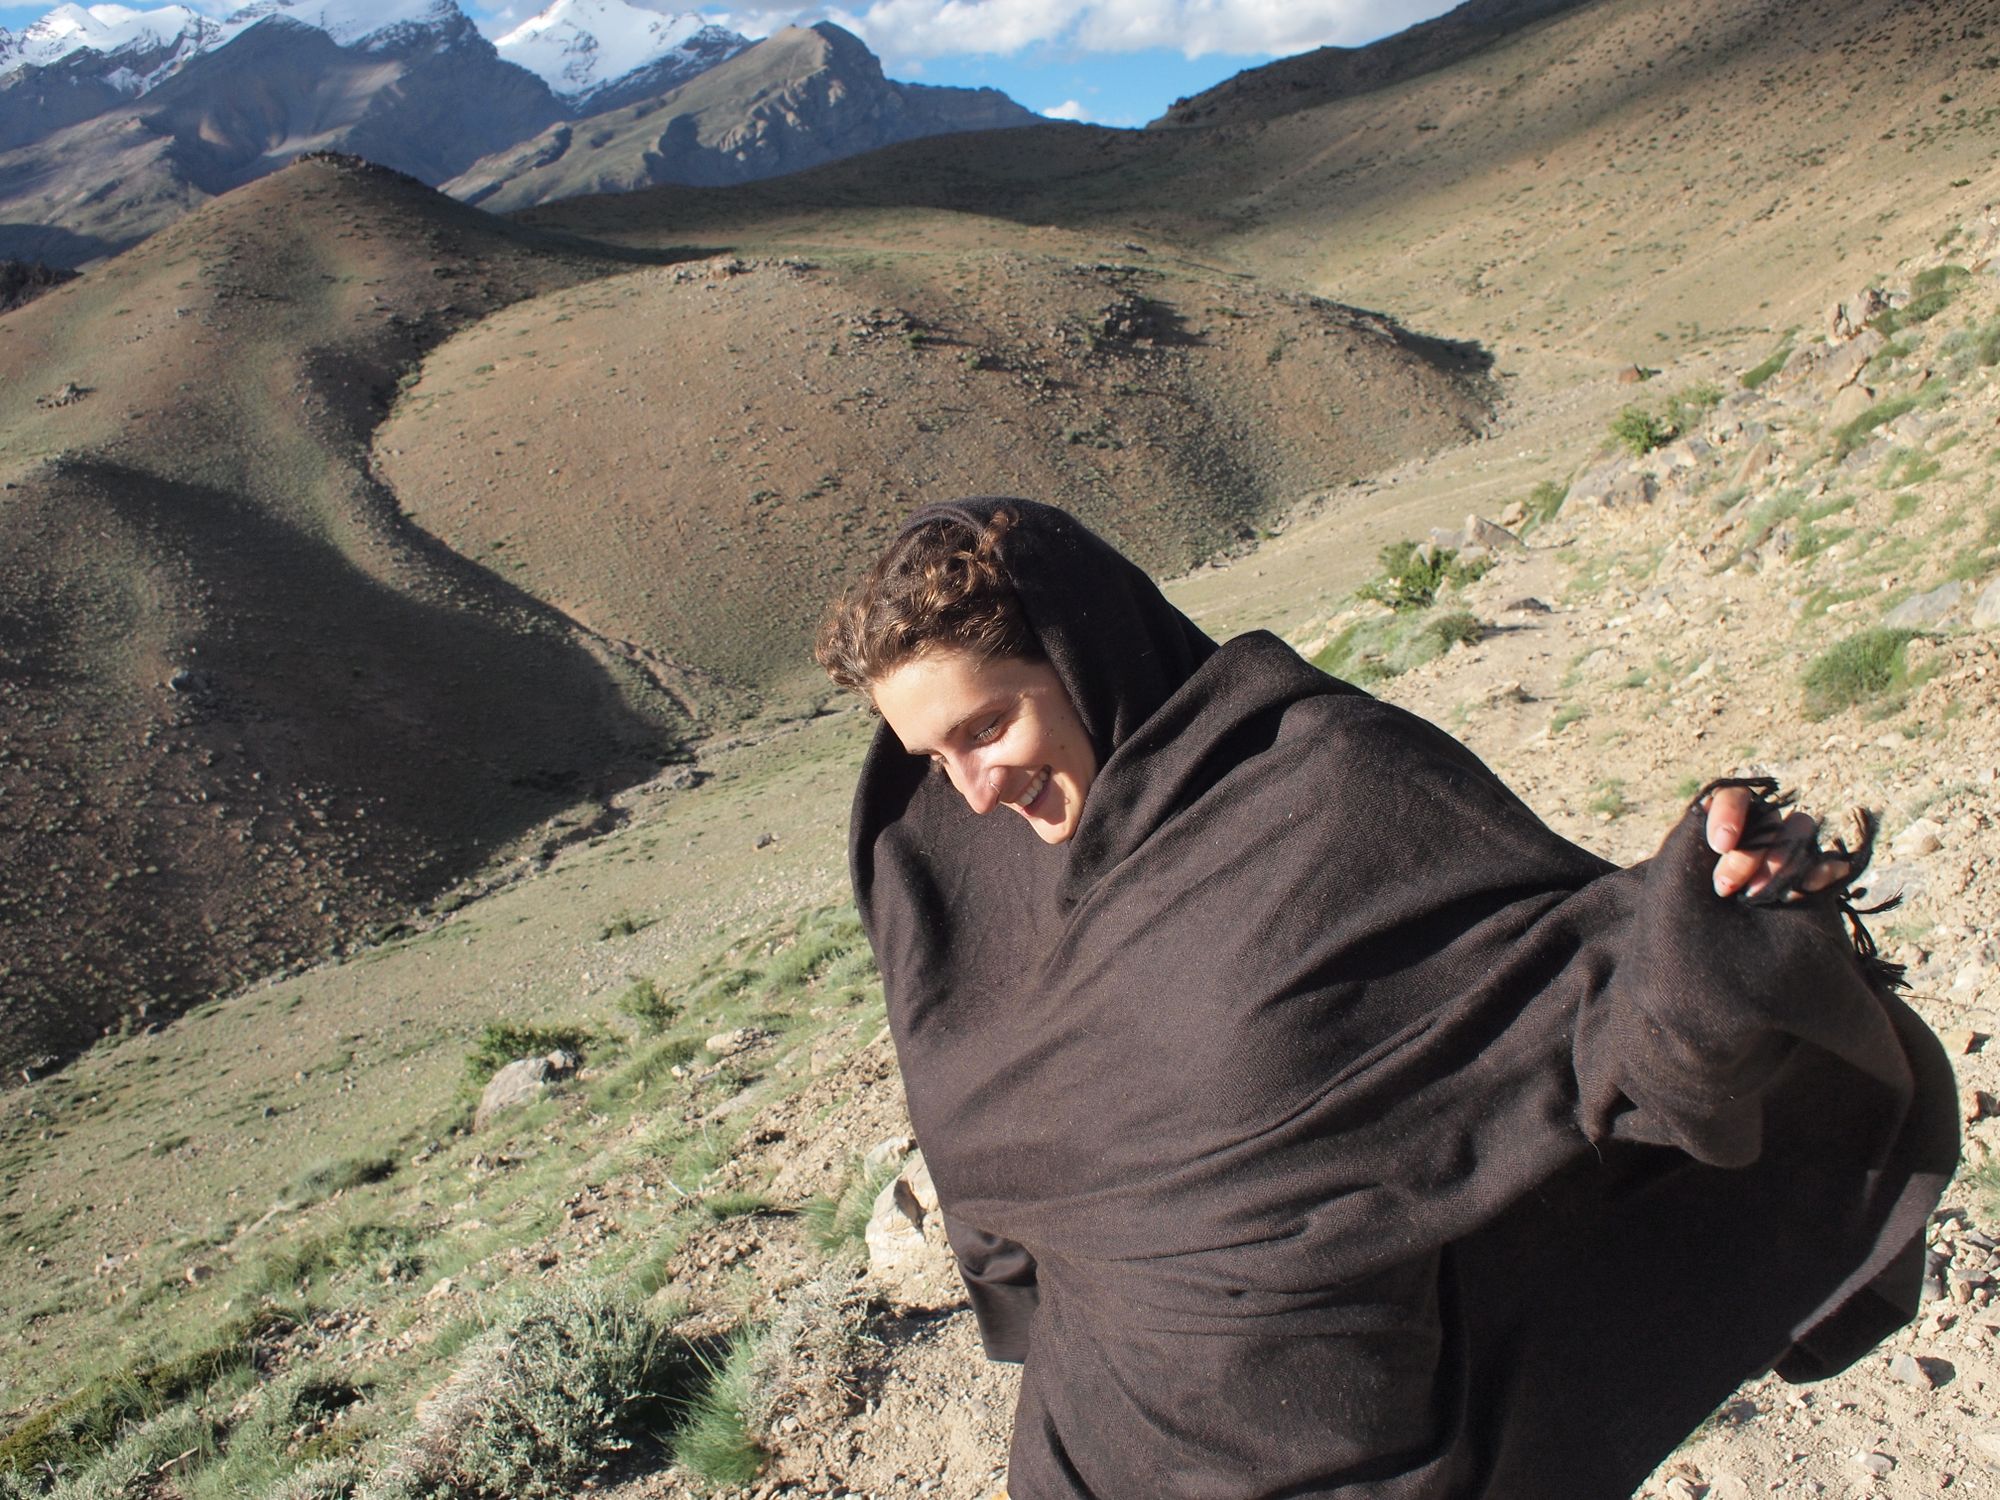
x: 1841, y: 367
x: 1986, y: 608
x: 1480, y: 532
x: 1850, y: 403
x: 522, y: 1081
x: 1592, y: 486
x: 1920, y: 611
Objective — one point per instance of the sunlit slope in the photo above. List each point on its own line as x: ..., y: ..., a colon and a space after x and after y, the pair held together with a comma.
x: 691, y: 459
x: 247, y: 708
x: 1624, y: 181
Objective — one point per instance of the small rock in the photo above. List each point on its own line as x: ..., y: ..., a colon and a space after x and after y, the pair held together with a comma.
x: 729, y: 1043
x: 1878, y: 1464
x: 1528, y: 605
x: 440, y: 1289
x: 197, y: 1274
x: 766, y: 840
x: 1852, y: 401
x: 1962, y: 1042
x: 1910, y: 1371
x: 884, y: 1153
x: 522, y: 1081
x: 1515, y: 516
x: 1925, y: 836
x: 1631, y: 375
x: 1978, y: 1104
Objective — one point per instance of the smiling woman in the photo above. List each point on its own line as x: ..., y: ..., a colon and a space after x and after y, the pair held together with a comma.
x: 1310, y: 1119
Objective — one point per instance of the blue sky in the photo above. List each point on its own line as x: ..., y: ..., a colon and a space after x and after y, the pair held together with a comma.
x: 1112, y: 62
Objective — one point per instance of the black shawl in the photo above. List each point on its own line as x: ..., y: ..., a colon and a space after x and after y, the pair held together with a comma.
x: 1317, y: 1122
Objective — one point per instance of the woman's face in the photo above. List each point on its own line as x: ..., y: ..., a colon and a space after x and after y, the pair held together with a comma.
x: 1001, y: 728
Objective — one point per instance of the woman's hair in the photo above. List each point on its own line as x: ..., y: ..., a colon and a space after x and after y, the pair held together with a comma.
x: 939, y: 587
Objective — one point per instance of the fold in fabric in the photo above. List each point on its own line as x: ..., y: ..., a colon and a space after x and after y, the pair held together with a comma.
x: 1317, y: 1122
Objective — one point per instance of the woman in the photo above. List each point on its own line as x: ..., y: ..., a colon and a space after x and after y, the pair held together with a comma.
x: 1309, y: 1118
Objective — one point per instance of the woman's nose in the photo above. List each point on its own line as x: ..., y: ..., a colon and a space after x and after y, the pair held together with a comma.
x: 977, y: 783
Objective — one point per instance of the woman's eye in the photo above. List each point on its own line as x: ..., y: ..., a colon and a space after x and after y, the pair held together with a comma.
x: 986, y: 732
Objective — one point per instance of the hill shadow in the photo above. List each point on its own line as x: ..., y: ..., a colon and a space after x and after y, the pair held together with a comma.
x: 331, y: 749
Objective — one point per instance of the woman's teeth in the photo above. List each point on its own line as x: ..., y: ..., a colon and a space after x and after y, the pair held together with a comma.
x: 1033, y: 790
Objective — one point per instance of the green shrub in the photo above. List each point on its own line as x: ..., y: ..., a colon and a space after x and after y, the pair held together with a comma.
x: 644, y: 1003
x: 716, y: 1442
x: 543, y: 1401
x: 1413, y: 573
x: 1456, y: 628
x: 502, y: 1042
x: 1641, y: 431
x: 624, y: 924
x: 1608, y: 801
x: 1864, y: 667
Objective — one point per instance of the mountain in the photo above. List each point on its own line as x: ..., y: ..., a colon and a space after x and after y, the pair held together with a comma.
x: 597, y: 54
x: 805, y: 96
x: 424, y: 93
x: 74, y: 63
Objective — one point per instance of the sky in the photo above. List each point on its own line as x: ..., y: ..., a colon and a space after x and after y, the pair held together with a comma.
x: 1108, y: 62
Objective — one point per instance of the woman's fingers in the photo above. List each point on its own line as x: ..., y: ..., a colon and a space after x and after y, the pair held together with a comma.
x: 1749, y: 871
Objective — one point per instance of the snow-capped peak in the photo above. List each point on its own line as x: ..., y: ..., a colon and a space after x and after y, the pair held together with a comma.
x: 351, y: 22
x: 578, y: 46
x: 107, y: 29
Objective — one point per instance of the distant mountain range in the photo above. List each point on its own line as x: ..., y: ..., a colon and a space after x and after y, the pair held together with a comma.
x: 114, y: 122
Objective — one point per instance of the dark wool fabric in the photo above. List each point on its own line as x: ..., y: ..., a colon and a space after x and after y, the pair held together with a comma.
x: 1317, y: 1122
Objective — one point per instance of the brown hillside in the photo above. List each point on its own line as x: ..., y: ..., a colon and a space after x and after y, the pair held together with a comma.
x: 249, y: 709
x: 691, y: 458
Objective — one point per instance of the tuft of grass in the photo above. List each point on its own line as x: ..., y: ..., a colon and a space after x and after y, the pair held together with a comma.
x: 644, y: 1003
x: 390, y: 1251
x: 324, y: 1179
x: 1851, y: 435
x: 1458, y: 627
x: 1609, y: 800
x: 1543, y: 502
x: 1866, y: 666
x: 1931, y: 292
x: 1773, y: 362
x: 1565, y: 716
x: 715, y: 1443
x: 735, y: 1205
x: 838, y: 1222
x: 502, y: 1042
x: 1640, y: 431
x: 624, y: 924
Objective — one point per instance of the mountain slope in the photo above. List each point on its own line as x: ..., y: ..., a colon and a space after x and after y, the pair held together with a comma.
x: 804, y: 96
x: 252, y: 710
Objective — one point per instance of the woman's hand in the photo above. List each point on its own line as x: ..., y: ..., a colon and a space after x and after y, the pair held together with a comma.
x: 1749, y: 871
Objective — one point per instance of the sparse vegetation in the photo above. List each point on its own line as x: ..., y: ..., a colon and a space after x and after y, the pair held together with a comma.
x: 324, y: 1179
x: 1931, y: 292
x: 1865, y: 667
x: 836, y: 1222
x: 1640, y: 431
x: 1544, y: 502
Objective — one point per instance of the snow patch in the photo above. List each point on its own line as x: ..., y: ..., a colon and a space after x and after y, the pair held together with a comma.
x: 578, y: 46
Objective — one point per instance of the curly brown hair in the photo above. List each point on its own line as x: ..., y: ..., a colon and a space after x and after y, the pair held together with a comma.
x: 940, y: 586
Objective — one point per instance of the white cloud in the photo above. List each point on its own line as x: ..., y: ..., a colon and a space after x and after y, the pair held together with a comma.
x: 1069, y: 109
x: 901, y: 29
